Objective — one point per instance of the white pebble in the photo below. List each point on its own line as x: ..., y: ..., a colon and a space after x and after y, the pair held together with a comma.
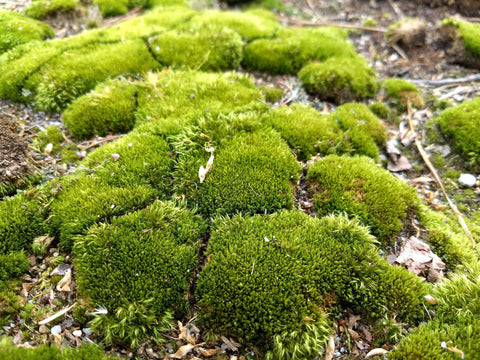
x: 56, y: 330
x: 467, y: 180
x: 77, y: 333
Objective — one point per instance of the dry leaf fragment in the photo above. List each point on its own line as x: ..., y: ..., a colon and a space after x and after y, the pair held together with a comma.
x: 58, y: 314
x: 201, y: 173
x: 185, y: 335
x: 44, y: 240
x: 308, y: 319
x: 417, y: 256
x: 182, y: 351
x: 430, y: 299
x: 48, y: 148
x: 209, y: 352
x: 456, y: 351
x: 232, y: 345
x: 64, y: 284
x: 115, y: 157
x: 367, y: 334
x: 330, y: 349
x: 376, y: 352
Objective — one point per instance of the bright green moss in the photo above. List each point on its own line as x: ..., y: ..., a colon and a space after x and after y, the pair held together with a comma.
x: 75, y: 72
x: 204, y: 48
x: 339, y: 79
x: 109, y: 109
x: 359, y: 188
x: 461, y: 125
x: 362, y: 133
x: 305, y: 130
x: 380, y: 109
x: 40, y: 9
x: 12, y: 265
x: 284, y: 268
x: 251, y: 173
x: 272, y: 94
x: 470, y: 33
x: 400, y: 91
x: 21, y: 220
x: 292, y: 49
x: 16, y: 29
x: 112, y: 7
x: 51, y: 135
x: 250, y: 25
x: 171, y: 99
x: 8, y: 351
x: 146, y: 257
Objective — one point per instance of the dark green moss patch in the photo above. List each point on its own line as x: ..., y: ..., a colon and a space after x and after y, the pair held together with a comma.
x: 461, y: 125
x: 147, y: 257
x: 109, y: 109
x: 286, y: 268
x: 40, y: 9
x: 12, y: 265
x: 359, y: 188
x: 16, y: 30
x: 339, y: 79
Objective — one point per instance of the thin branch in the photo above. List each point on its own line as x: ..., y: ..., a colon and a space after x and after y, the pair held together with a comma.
x: 302, y: 22
x: 92, y: 143
x: 425, y: 158
x: 449, y: 81
x: 57, y: 315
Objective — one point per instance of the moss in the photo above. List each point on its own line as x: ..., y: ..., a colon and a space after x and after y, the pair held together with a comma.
x: 146, y: 257
x: 45, y: 352
x: 469, y: 33
x: 339, y: 79
x: 21, y: 220
x: 272, y: 94
x: 400, y: 91
x: 359, y: 188
x: 362, y: 130
x: 112, y: 7
x: 202, y: 48
x: 12, y: 265
x: 285, y: 269
x: 109, y: 109
x: 306, y: 131
x: 253, y: 172
x: 380, y: 109
x: 69, y: 154
x: 250, y: 25
x: 16, y: 29
x: 460, y: 124
x: 369, y: 22
x: 51, y: 135
x: 171, y: 99
x: 290, y: 50
x: 83, y: 69
x: 9, y: 301
x: 40, y: 9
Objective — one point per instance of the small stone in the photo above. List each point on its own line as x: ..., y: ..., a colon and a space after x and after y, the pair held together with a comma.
x: 56, y: 330
x: 467, y: 180
x: 43, y: 329
x: 77, y: 333
x: 87, y: 331
x: 150, y: 353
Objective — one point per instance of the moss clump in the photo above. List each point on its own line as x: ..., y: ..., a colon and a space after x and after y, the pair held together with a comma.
x: 171, y: 100
x: 250, y: 25
x: 45, y: 352
x: 40, y: 9
x: 253, y: 172
x: 400, y: 92
x: 468, y: 34
x: 339, y: 79
x: 148, y: 258
x: 284, y: 269
x: 51, y: 135
x: 21, y: 220
x: 359, y: 188
x: 380, y: 109
x: 205, y: 48
x: 461, y: 125
x: 272, y: 94
x: 13, y: 265
x: 16, y: 29
x: 290, y: 50
x: 75, y: 72
x: 109, y: 109
x: 112, y: 7
x: 362, y: 130
x: 305, y: 130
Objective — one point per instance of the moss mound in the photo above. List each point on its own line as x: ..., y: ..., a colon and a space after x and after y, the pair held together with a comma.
x: 252, y: 171
x: 206, y: 48
x: 284, y: 269
x: 16, y: 30
x: 359, y: 188
x: 380, y: 109
x: 290, y: 50
x: 362, y: 133
x: 109, y: 109
x: 462, y: 41
x: 40, y: 9
x: 339, y: 79
x: 147, y: 257
x: 400, y: 91
x: 461, y: 125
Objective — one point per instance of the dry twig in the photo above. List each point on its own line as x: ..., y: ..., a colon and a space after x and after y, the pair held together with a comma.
x: 303, y: 22
x: 425, y: 158
x: 448, y: 81
x: 92, y: 143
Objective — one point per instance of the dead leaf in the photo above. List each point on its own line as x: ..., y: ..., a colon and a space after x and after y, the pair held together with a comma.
x: 354, y: 334
x: 182, y: 351
x: 397, y: 162
x: 209, y: 352
x: 232, y: 345
x: 367, y: 334
x: 422, y: 180
x: 26, y: 287
x: 57, y: 339
x: 185, y: 335
x: 456, y: 351
x: 308, y: 319
x: 376, y: 352
x: 115, y: 157
x: 44, y: 240
x: 330, y: 349
x: 430, y: 299
x: 417, y: 256
x: 352, y: 320
x: 64, y: 284
x: 48, y: 148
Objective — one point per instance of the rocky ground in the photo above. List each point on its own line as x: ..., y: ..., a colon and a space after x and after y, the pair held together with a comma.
x: 20, y: 124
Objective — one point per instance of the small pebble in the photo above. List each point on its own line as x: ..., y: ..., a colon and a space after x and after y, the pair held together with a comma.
x: 43, y: 329
x: 56, y: 330
x: 87, y: 331
x: 77, y: 333
x: 467, y: 180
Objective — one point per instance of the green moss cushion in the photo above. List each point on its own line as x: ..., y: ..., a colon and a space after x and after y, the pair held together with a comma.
x: 400, y: 91
x: 146, y: 257
x: 359, y: 188
x: 40, y: 9
x: 16, y: 30
x: 339, y: 79
x: 461, y: 124
x: 284, y: 268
